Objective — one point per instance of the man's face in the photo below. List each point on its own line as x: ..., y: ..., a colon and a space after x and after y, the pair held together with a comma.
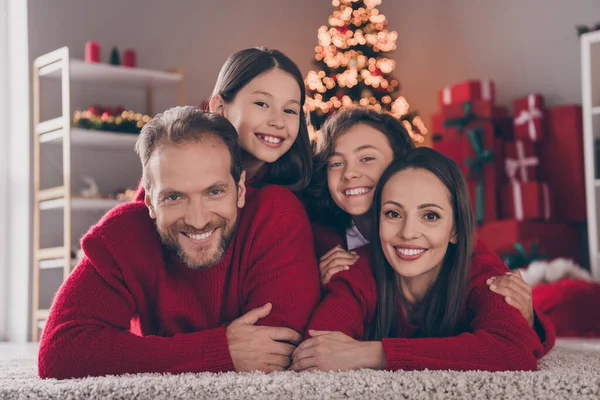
x: 194, y: 200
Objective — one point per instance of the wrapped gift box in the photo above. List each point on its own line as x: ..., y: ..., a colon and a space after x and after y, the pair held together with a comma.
x: 561, y: 163
x: 554, y: 239
x: 520, y: 161
x: 525, y: 201
x: 473, y: 151
x: 528, y: 118
x: 466, y: 91
x: 458, y: 117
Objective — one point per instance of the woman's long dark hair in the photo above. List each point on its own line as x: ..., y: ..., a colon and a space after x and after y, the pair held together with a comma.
x: 442, y: 305
x: 320, y: 204
x: 293, y: 169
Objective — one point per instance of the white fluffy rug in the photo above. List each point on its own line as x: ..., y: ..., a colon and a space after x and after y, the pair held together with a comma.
x: 570, y: 371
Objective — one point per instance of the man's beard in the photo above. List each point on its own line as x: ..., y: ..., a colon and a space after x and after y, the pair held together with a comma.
x: 169, y: 240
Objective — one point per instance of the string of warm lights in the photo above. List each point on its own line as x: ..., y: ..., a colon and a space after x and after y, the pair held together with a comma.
x: 353, y: 48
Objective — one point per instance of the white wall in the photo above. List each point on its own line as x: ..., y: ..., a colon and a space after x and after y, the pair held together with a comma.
x: 15, y: 149
x: 3, y: 171
x: 524, y: 45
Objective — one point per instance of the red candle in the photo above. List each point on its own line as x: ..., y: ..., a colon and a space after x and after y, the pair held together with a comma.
x: 129, y: 58
x: 92, y: 52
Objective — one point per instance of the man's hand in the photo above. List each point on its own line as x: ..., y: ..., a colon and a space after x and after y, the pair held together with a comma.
x: 336, y: 351
x: 260, y: 348
x: 334, y: 261
x: 516, y: 292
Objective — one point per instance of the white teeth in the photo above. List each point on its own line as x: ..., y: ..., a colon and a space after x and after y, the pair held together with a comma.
x: 409, y: 252
x: 202, y: 236
x: 356, y: 191
x: 270, y: 139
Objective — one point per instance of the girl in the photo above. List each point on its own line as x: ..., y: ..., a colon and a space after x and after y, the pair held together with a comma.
x: 352, y: 152
x: 261, y: 92
x: 427, y: 305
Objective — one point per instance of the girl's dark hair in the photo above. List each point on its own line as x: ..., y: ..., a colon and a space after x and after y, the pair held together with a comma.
x: 321, y: 206
x: 294, y: 168
x: 442, y: 305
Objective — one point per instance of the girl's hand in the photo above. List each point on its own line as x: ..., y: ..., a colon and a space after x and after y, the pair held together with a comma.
x: 335, y: 351
x: 516, y: 292
x: 334, y: 261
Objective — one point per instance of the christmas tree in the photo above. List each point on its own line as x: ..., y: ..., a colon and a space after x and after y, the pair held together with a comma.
x: 353, y: 68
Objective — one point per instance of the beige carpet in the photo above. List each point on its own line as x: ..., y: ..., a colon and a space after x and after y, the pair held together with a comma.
x: 570, y: 371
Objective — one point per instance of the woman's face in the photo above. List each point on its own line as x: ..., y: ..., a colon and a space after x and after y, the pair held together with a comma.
x: 266, y: 114
x: 416, y: 223
x: 359, y: 158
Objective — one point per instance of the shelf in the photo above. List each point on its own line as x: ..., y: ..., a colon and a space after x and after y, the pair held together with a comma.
x: 81, y: 203
x: 57, y: 263
x: 51, y: 253
x: 93, y: 138
x: 103, y: 73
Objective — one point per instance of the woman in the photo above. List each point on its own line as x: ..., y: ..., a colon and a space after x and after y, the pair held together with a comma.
x: 426, y: 304
x: 354, y: 148
x: 261, y: 92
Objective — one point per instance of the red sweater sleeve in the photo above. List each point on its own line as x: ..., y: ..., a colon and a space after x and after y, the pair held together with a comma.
x: 87, y: 332
x: 282, y: 267
x: 498, y: 339
x: 350, y: 300
x: 542, y: 325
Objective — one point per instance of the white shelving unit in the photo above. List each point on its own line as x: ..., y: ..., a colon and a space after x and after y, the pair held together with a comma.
x: 590, y: 84
x: 56, y: 134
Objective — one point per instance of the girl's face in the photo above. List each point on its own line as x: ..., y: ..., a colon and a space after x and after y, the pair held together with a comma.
x: 359, y: 158
x: 266, y: 114
x: 416, y: 223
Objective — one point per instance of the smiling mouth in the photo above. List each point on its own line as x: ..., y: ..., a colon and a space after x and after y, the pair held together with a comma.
x: 409, y: 254
x: 357, y: 191
x: 271, y: 141
x: 200, y: 236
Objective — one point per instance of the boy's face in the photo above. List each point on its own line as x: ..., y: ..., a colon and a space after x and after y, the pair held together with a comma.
x: 359, y: 158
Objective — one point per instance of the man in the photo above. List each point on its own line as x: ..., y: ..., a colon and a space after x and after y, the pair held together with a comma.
x: 205, y: 275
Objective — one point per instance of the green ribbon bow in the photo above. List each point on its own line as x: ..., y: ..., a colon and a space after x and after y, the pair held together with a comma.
x: 468, y: 117
x: 476, y: 165
x: 521, y: 258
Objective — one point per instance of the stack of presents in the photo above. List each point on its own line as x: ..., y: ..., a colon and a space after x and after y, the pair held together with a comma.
x: 524, y: 169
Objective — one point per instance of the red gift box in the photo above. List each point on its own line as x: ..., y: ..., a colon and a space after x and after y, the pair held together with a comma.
x: 437, y: 122
x: 525, y: 201
x: 457, y: 117
x: 466, y: 91
x: 556, y: 240
x: 528, y: 117
x: 561, y: 162
x: 463, y: 150
x: 520, y: 162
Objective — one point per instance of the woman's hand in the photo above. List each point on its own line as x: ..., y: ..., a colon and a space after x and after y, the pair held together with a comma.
x: 516, y: 292
x: 334, y: 261
x: 335, y: 351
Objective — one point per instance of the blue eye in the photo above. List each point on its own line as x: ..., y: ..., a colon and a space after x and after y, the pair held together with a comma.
x: 172, y: 197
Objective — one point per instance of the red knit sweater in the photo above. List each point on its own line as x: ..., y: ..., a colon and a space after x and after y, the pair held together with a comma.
x: 132, y: 307
x: 496, y: 336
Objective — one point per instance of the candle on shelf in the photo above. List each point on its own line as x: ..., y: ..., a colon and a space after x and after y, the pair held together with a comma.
x: 129, y: 58
x: 92, y: 52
